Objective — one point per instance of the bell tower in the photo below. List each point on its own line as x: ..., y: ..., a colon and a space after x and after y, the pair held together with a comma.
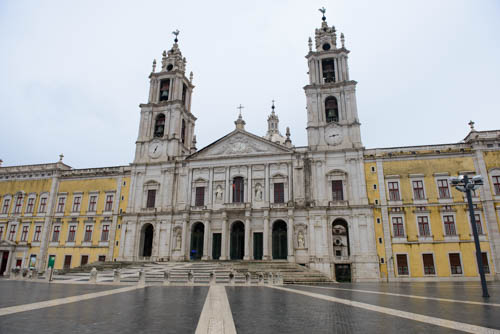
x: 166, y: 129
x: 332, y: 116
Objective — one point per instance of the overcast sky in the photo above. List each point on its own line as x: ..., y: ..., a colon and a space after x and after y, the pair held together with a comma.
x: 72, y: 73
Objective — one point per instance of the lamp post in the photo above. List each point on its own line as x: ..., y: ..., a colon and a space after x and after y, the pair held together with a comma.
x: 466, y: 185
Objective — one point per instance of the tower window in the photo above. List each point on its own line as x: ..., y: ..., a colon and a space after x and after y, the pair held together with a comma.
x: 159, y: 125
x: 328, y: 70
x: 238, y: 190
x: 164, y: 89
x: 331, y: 109
x: 183, y: 131
x: 184, y: 90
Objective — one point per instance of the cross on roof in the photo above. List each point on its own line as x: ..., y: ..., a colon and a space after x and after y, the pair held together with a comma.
x: 471, y: 124
x: 240, y: 107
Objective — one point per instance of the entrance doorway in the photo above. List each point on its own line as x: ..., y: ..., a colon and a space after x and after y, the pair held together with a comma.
x: 4, y: 259
x: 237, y: 241
x: 67, y: 262
x: 216, y: 245
x: 147, y: 240
x: 343, y: 272
x: 279, y: 240
x: 257, y: 246
x: 197, y: 234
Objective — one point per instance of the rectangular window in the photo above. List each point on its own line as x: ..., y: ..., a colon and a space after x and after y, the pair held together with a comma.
x: 479, y: 226
x: 55, y: 233
x: 402, y: 264
x: 85, y: 260
x: 486, y: 265
x: 328, y: 66
x: 151, y: 198
x: 449, y: 225
x: 6, y: 203
x: 444, y: 191
x: 394, y: 191
x: 24, y: 233
x: 12, y: 233
x: 455, y: 265
x: 71, y: 233
x: 38, y: 232
x: 200, y: 196
x: 428, y: 264
x: 60, y: 204
x: 43, y: 204
x: 398, y: 228
x: 76, y: 204
x: 184, y: 90
x: 279, y: 193
x: 101, y: 258
x: 30, y: 205
x: 423, y: 226
x: 88, y: 233
x: 92, y: 203
x: 67, y: 262
x: 238, y: 190
x: 19, y: 204
x: 337, y: 191
x: 164, y: 89
x: 105, y: 233
x: 496, y: 184
x: 1, y: 232
x: 418, y: 190
x: 109, y: 203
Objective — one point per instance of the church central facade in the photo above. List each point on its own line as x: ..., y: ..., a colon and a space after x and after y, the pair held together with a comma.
x: 247, y: 197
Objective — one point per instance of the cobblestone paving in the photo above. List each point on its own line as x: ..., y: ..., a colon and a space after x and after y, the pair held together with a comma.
x: 254, y: 309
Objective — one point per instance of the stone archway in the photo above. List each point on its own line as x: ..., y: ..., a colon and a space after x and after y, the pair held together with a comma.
x: 147, y: 233
x: 279, y: 238
x: 197, y: 235
x: 237, y: 248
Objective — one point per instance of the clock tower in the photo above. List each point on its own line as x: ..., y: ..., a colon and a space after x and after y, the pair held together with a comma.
x: 332, y: 116
x: 166, y: 129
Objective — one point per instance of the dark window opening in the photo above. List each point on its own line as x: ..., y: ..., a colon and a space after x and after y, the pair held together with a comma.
x: 337, y: 191
x: 402, y: 264
x: 238, y: 190
x: 200, y: 196
x: 279, y: 193
x: 159, y: 125
x: 428, y: 264
x: 331, y: 109
x: 164, y: 89
x: 486, y: 265
x: 184, y: 91
x: 328, y: 70
x: 455, y: 264
x: 151, y: 198
x: 183, y: 131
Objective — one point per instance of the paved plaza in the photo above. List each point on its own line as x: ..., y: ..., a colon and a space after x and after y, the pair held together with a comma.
x: 27, y: 307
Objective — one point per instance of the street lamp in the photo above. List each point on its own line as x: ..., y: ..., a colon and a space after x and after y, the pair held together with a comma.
x: 466, y: 185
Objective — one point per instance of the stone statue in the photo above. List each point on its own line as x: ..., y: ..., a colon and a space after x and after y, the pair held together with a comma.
x: 258, y: 192
x: 300, y: 239
x: 178, y: 241
x: 218, y: 193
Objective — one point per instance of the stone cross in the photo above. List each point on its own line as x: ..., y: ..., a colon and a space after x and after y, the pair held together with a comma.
x: 471, y: 124
x: 240, y: 107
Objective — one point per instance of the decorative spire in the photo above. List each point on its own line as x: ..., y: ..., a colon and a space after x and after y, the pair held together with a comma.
x: 342, y: 40
x: 240, y: 123
x: 61, y: 156
x: 164, y: 60
x: 288, y: 141
x: 471, y: 124
x: 193, y: 145
x: 191, y: 77
x: 176, y: 33
x: 323, y: 11
x: 272, y: 108
x: 154, y: 65
x: 310, y: 44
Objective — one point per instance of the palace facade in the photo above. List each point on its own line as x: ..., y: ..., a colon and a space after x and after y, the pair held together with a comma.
x: 333, y: 205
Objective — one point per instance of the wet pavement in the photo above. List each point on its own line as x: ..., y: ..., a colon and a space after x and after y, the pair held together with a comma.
x: 254, y: 309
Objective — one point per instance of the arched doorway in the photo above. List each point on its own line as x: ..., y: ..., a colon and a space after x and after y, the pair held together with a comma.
x: 197, y: 235
x: 147, y: 240
x: 341, y: 250
x: 237, y: 241
x: 280, y: 247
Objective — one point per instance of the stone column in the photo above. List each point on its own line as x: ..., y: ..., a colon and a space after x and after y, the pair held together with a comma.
x: 223, y: 252
x: 183, y: 244
x: 291, y: 256
x: 266, y: 236
x: 206, y: 238
x: 247, y: 239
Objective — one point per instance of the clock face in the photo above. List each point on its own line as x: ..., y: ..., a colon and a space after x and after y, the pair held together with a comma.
x: 333, y: 135
x: 155, y: 149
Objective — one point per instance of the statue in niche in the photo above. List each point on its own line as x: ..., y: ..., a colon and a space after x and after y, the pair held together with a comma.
x: 178, y: 240
x: 300, y: 239
x: 258, y: 192
x: 218, y: 193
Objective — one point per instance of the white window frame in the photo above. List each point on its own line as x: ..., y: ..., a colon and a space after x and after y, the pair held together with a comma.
x: 68, y: 242
x: 433, y: 261
x: 417, y: 178
x: 461, y: 263
x: 16, y: 196
x: 33, y: 197
x: 424, y: 238
x: 103, y: 223
x: 407, y: 262
x: 55, y: 243
x: 6, y: 197
x: 76, y: 195
x: 199, y: 182
x: 393, y: 178
x: 57, y: 213
x: 487, y: 259
x: 450, y: 238
x: 88, y: 243
x: 46, y: 196
x: 443, y: 176
x: 9, y: 227
x: 495, y: 172
x: 96, y: 194
x: 482, y: 237
x: 395, y: 239
x: 33, y: 241
x: 21, y: 234
x: 108, y: 193
x: 4, y: 228
x: 280, y: 178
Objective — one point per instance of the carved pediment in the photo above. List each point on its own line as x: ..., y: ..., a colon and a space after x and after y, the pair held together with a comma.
x: 239, y: 143
x: 7, y: 243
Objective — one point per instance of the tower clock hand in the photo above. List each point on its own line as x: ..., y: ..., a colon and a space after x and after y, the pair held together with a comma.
x: 155, y: 149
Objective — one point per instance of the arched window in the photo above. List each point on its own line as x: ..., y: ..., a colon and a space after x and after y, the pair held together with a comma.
x: 183, y: 131
x: 238, y: 190
x: 164, y: 89
x: 159, y: 125
x: 331, y: 109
